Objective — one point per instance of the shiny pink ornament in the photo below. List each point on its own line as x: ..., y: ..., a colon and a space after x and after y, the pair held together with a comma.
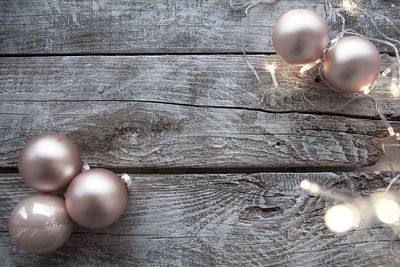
x: 49, y: 162
x: 40, y: 224
x: 300, y: 36
x: 352, y: 64
x: 96, y: 198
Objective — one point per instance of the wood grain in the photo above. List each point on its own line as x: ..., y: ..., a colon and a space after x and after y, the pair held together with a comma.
x: 129, y: 134
x: 150, y: 111
x: 186, y: 112
x: 176, y: 26
x: 201, y: 80
x: 206, y: 220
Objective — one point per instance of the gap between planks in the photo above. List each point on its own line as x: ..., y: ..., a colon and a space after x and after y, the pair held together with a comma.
x: 155, y: 53
x: 205, y: 171
x: 147, y: 53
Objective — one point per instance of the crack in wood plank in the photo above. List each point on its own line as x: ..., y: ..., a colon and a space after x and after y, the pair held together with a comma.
x: 200, y: 81
x: 354, y: 116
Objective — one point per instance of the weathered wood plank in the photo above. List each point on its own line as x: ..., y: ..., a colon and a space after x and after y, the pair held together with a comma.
x: 186, y: 111
x: 205, y: 80
x: 207, y: 220
x: 118, y: 26
x: 129, y: 134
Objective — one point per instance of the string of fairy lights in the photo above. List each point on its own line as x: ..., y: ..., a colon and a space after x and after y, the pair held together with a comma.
x: 351, y: 211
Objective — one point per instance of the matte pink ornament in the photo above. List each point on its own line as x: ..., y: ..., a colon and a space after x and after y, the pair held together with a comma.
x: 352, y: 64
x: 49, y: 162
x: 96, y: 198
x: 300, y: 36
x: 40, y: 224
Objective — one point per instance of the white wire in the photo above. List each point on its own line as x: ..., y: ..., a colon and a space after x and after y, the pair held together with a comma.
x: 248, y: 6
x: 394, y: 235
x: 340, y: 35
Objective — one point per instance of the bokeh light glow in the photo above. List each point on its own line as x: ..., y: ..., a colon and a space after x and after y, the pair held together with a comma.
x: 387, y: 210
x: 341, y: 218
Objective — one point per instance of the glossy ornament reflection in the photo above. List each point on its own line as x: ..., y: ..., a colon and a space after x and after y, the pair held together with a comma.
x: 96, y: 198
x: 40, y: 224
x: 49, y: 162
x: 352, y: 64
x: 300, y: 36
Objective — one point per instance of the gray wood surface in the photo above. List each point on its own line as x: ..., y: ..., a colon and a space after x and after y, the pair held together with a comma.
x: 198, y: 80
x: 118, y: 26
x: 161, y: 87
x: 142, y: 135
x: 206, y: 220
x: 167, y: 111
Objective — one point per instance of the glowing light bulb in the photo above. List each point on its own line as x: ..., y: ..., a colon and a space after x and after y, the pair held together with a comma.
x: 341, y: 218
x: 309, y: 66
x: 312, y: 188
x: 391, y: 131
x: 348, y: 4
x: 387, y: 210
x: 271, y: 69
x: 305, y: 68
x: 394, y: 88
x: 366, y: 90
x: 387, y: 70
x: 305, y: 184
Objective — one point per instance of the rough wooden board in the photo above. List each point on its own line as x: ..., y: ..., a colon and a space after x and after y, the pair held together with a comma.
x: 207, y: 220
x: 391, y: 160
x: 129, y: 134
x: 205, y: 80
x: 118, y: 26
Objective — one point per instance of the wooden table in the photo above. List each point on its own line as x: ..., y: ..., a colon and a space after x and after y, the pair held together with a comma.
x: 160, y: 90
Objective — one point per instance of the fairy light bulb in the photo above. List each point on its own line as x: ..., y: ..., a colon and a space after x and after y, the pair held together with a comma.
x: 309, y: 66
x: 391, y: 131
x: 386, y: 208
x: 394, y: 82
x: 305, y: 184
x: 388, y: 70
x: 312, y: 188
x: 395, y: 90
x: 348, y: 5
x: 366, y: 90
x: 341, y: 218
x: 394, y: 86
x: 271, y: 68
x: 388, y: 211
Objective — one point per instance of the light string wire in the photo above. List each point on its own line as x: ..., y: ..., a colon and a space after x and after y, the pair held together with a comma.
x: 344, y: 31
x: 395, y: 177
x: 248, y: 5
x: 394, y: 68
x: 387, y: 71
x: 391, y: 242
x: 396, y: 71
